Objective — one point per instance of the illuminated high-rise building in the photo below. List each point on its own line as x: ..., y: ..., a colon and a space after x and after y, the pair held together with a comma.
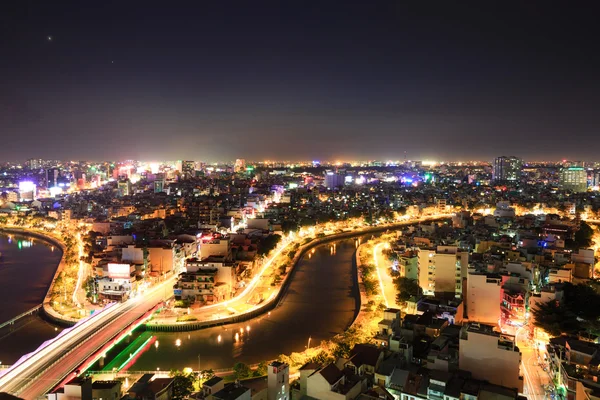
x: 124, y: 188
x: 159, y: 183
x: 596, y: 179
x: 27, y: 191
x: 188, y: 169
x: 574, y: 179
x: 507, y: 169
x: 240, y: 165
x: 35, y: 163
x: 334, y: 180
x: 52, y: 176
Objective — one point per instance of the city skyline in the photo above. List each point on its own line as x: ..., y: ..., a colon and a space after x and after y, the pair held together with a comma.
x: 296, y: 81
x: 290, y: 200
x: 323, y: 162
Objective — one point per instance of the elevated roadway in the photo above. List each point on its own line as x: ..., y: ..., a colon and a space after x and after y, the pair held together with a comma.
x: 34, y: 375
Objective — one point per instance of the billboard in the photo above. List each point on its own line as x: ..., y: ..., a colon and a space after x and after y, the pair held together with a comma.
x: 119, y: 271
x: 26, y: 186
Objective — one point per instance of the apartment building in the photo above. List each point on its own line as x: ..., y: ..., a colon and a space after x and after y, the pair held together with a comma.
x: 490, y: 355
x: 441, y: 270
x: 482, y: 297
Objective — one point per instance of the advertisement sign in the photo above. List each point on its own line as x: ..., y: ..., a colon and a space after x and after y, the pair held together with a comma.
x: 26, y: 186
x: 119, y: 271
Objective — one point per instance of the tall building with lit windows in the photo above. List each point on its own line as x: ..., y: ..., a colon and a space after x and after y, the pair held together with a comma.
x: 574, y: 179
x: 52, y: 177
x: 35, y: 163
x: 333, y: 180
x: 240, y: 165
x: 507, y: 169
x: 124, y: 188
x: 188, y: 169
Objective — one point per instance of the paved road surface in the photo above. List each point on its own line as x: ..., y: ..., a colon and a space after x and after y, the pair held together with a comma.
x: 534, y: 375
x: 59, y: 362
x: 60, y: 359
x: 386, y: 281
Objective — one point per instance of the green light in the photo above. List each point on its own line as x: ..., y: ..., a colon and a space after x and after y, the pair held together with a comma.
x: 134, y: 353
x: 114, y: 343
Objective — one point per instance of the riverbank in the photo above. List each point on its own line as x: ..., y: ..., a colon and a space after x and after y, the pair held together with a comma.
x: 363, y: 299
x: 318, y: 304
x: 49, y: 312
x: 171, y: 325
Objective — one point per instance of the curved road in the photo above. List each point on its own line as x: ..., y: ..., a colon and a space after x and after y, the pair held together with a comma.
x: 36, y: 376
x: 320, y: 302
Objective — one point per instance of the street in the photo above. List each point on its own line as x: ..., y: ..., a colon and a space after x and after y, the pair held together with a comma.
x: 33, y: 381
x: 386, y: 282
x: 535, y: 378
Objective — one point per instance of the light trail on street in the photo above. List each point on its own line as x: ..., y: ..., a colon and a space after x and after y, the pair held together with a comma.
x: 48, y: 367
x: 375, y: 250
x: 535, y: 376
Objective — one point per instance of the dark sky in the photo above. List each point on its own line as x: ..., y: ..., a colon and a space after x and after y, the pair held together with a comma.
x: 218, y: 80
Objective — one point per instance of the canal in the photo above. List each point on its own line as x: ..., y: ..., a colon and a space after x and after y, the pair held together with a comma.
x: 321, y: 301
x: 27, y: 267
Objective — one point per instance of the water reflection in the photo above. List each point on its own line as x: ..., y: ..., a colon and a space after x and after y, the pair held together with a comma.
x: 319, y: 302
x: 26, y: 271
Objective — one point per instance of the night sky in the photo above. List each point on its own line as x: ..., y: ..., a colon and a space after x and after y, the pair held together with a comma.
x: 296, y: 80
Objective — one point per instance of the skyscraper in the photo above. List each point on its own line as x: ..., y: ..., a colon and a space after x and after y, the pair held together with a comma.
x: 35, y: 163
x: 574, y: 179
x: 240, y: 165
x: 188, y: 169
x: 333, y: 180
x: 52, y: 175
x: 507, y: 169
x: 159, y: 183
x: 124, y: 188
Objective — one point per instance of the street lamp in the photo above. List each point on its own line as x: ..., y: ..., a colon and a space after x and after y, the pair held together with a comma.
x: 308, y: 346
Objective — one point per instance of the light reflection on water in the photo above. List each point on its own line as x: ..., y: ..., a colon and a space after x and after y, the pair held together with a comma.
x: 319, y: 303
x: 26, y: 270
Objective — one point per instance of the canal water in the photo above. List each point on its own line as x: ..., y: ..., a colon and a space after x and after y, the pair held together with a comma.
x: 27, y: 267
x: 321, y: 301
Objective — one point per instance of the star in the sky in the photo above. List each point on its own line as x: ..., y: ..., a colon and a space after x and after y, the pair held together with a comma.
x: 49, y: 38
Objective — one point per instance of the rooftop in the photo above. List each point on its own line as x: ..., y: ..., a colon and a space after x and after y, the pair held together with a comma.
x: 231, y: 392
x: 310, y: 366
x: 482, y: 329
x: 331, y: 373
x: 105, y: 384
x: 212, y: 381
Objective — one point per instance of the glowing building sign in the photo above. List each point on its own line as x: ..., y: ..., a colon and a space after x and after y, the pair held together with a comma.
x: 26, y: 186
x: 119, y: 271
